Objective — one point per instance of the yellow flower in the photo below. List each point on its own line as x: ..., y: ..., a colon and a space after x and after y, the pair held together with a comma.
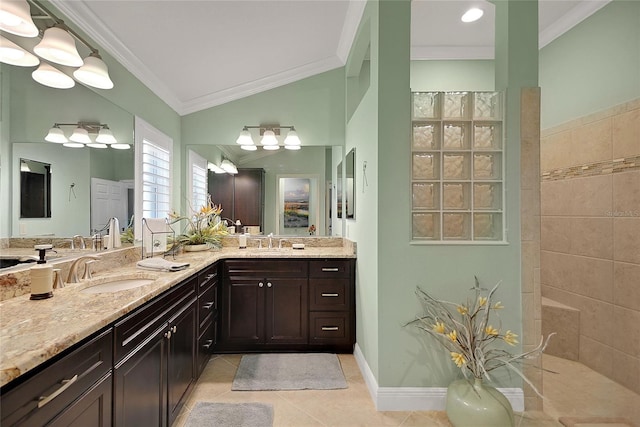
x: 439, y: 327
x: 510, y: 338
x: 482, y: 301
x: 462, y: 309
x: 453, y: 335
x: 490, y: 330
x: 498, y: 305
x: 458, y: 359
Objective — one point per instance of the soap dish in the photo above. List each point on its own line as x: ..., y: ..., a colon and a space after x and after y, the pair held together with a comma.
x: 297, y: 246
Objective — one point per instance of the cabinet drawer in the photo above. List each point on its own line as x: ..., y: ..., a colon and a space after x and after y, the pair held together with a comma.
x: 207, y: 277
x: 63, y: 381
x: 330, y: 268
x: 266, y: 268
x: 206, y: 342
x: 329, y: 328
x: 135, y: 328
x: 207, y: 304
x: 329, y: 294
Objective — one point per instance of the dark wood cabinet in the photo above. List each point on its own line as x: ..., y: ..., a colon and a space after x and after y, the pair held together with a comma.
x: 265, y: 304
x: 284, y: 304
x: 153, y: 378
x: 207, y: 314
x: 241, y: 196
x: 76, y: 386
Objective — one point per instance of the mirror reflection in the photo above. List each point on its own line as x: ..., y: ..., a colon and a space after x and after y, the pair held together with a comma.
x: 35, y: 189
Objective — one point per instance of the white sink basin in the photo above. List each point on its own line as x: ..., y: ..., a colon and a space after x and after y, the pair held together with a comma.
x: 117, y: 285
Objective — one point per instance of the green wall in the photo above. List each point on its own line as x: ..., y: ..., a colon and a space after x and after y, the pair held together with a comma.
x: 594, y: 66
x: 458, y: 75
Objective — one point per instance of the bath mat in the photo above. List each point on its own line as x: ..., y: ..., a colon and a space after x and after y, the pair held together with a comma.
x: 214, y: 414
x: 595, y: 422
x: 290, y: 371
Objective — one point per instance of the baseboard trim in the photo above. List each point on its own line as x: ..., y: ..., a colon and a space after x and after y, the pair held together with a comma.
x: 417, y: 398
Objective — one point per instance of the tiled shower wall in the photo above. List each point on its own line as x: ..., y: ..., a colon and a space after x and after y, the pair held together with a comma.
x: 590, y: 234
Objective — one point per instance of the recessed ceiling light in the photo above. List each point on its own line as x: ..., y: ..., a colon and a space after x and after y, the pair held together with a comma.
x: 472, y: 14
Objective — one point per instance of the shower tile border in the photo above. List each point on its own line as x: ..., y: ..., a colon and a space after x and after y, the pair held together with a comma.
x: 606, y: 167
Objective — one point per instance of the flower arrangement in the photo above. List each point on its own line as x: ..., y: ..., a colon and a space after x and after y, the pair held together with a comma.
x: 472, y: 333
x: 203, y: 226
x: 312, y: 229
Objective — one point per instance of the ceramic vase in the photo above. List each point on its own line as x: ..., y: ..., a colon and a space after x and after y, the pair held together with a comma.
x: 196, y: 248
x: 471, y: 403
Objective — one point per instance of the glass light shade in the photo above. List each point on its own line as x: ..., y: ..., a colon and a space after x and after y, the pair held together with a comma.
x: 472, y: 14
x: 269, y: 138
x: 105, y: 136
x: 292, y: 147
x: 56, y: 135
x: 229, y: 167
x: 15, y: 18
x: 94, y: 73
x: 47, y: 75
x: 249, y: 147
x: 245, y: 138
x: 12, y: 54
x: 97, y: 145
x: 80, y: 135
x: 73, y: 145
x: 271, y: 147
x: 58, y: 46
x: 215, y: 168
x: 120, y: 146
x: 292, y: 138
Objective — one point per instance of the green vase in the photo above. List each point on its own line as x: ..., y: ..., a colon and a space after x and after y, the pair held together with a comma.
x: 471, y: 403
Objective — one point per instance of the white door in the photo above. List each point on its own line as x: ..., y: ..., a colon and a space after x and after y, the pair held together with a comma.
x: 108, y: 200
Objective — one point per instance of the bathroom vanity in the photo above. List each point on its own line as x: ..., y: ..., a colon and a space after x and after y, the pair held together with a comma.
x: 132, y: 357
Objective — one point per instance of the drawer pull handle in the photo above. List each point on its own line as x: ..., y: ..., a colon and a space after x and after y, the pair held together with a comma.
x: 330, y: 269
x: 330, y: 328
x: 208, y: 305
x: 65, y: 385
x: 330, y: 295
x: 174, y: 329
x: 207, y: 345
x: 167, y: 335
x: 210, y: 276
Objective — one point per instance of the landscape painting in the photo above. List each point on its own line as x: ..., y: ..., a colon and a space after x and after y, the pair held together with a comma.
x: 296, y: 202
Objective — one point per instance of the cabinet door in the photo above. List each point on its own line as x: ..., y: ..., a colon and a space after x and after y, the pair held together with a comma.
x: 243, y: 310
x: 221, y: 190
x: 92, y: 409
x: 249, y: 197
x: 181, y: 372
x: 140, y: 384
x: 286, y: 311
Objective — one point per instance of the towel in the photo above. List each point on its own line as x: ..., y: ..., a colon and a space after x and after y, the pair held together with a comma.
x: 153, y: 235
x: 161, y: 264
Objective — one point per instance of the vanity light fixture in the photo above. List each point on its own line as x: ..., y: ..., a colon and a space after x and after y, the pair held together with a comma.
x: 81, y: 136
x: 229, y: 167
x: 215, y: 168
x: 472, y: 15
x: 12, y: 54
x: 15, y: 18
x: 269, y: 140
x: 58, y: 46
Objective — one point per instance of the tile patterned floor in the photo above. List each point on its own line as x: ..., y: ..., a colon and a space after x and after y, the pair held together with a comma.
x: 353, y: 406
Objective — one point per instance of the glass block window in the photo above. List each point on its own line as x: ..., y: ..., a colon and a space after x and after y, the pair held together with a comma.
x: 457, y: 167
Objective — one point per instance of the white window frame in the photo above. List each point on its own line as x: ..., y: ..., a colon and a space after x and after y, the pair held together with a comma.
x: 145, y: 132
x: 197, y: 180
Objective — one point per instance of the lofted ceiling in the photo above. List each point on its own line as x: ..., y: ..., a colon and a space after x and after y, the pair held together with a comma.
x: 195, y: 54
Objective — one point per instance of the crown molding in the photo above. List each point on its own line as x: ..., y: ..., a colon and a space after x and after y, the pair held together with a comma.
x: 350, y: 28
x: 259, y: 85
x: 573, y: 17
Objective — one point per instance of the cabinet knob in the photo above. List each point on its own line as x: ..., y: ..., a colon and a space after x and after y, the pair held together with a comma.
x: 167, y: 335
x: 174, y: 329
x: 260, y: 284
x: 269, y: 284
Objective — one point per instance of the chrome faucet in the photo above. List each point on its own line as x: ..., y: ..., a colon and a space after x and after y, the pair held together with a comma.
x: 73, y: 241
x: 270, y: 236
x: 280, y: 243
x: 73, y: 270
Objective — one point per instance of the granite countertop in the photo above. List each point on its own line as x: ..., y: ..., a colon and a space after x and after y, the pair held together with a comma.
x: 32, y: 332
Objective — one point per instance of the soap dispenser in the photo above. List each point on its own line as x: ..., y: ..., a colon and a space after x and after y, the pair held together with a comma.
x: 41, y: 275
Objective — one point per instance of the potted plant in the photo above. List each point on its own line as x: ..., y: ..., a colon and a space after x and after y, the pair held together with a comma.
x: 472, y: 333
x: 204, y: 229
